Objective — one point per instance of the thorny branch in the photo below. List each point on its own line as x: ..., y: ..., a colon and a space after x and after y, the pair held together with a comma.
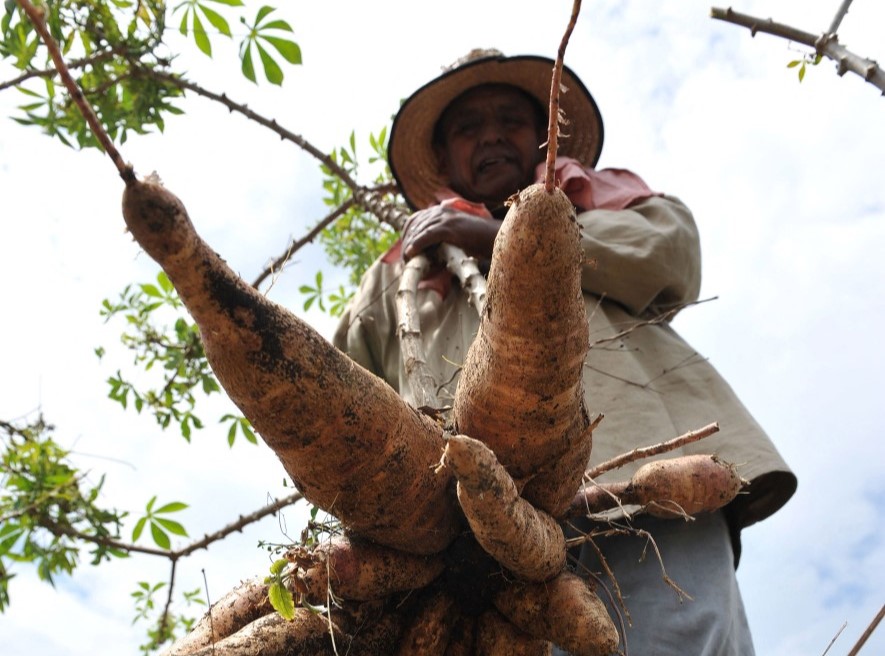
x: 826, y: 44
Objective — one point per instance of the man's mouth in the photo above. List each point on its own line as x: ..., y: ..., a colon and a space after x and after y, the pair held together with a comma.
x: 489, y: 162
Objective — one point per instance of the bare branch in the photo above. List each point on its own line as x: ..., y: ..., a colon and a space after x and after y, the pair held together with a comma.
x: 653, y: 450
x: 824, y: 44
x: 293, y: 247
x: 52, y: 72
x: 840, y: 14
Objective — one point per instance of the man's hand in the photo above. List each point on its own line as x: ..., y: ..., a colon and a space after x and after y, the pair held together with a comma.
x: 436, y: 225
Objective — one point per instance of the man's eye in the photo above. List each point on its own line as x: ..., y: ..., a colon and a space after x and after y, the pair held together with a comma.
x: 515, y: 120
x: 467, y: 127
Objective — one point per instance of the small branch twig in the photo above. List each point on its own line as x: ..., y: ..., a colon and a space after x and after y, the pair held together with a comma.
x: 52, y: 72
x: 296, y: 245
x: 553, y: 118
x: 825, y: 44
x: 37, y: 18
x: 653, y: 450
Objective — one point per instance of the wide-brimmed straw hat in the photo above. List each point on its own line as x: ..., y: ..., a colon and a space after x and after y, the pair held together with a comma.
x: 410, y: 151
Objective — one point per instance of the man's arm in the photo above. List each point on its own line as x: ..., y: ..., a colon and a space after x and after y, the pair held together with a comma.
x: 646, y: 257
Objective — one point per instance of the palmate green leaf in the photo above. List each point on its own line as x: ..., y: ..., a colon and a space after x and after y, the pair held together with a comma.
x: 217, y: 20
x: 281, y: 599
x: 139, y: 527
x: 272, y: 70
x: 175, y: 506
x: 200, y: 36
x: 172, y: 526
x: 247, y: 67
x: 289, y: 50
x: 264, y: 11
x: 161, y: 539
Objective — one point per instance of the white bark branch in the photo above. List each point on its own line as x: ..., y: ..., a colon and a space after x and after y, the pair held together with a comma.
x: 824, y: 44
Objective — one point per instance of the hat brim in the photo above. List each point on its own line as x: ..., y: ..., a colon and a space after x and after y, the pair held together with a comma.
x: 412, y: 159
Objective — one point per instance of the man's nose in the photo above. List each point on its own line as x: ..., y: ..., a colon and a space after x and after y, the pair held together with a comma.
x: 492, y: 132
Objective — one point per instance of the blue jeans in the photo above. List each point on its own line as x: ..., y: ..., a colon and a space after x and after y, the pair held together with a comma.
x: 698, y: 557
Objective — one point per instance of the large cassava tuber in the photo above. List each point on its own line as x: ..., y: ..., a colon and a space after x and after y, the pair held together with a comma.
x: 350, y: 444
x: 354, y: 448
x: 521, y: 389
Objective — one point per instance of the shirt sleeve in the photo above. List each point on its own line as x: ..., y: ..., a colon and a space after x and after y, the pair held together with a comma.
x: 369, y: 321
x: 646, y: 257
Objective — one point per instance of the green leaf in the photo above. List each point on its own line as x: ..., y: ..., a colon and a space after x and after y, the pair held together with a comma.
x: 264, y: 11
x: 794, y: 63
x: 172, y: 526
x: 290, y: 50
x: 248, y: 432
x: 151, y: 290
x: 278, y: 566
x: 247, y: 67
x: 218, y: 21
x: 201, y: 37
x: 229, y: 3
x: 281, y: 599
x: 160, y: 537
x: 139, y: 527
x: 164, y: 281
x: 175, y: 506
x: 272, y: 70
x: 277, y: 25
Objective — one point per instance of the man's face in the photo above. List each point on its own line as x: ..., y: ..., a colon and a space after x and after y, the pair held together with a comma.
x: 489, y: 143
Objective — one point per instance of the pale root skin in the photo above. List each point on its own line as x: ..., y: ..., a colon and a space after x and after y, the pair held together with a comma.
x: 551, y: 609
x: 673, y: 487
x: 241, y: 606
x: 359, y: 570
x: 370, y: 464
x: 525, y: 540
x: 689, y: 485
x: 521, y: 389
x: 309, y: 634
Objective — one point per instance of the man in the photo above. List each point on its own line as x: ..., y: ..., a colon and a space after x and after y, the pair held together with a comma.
x: 459, y: 147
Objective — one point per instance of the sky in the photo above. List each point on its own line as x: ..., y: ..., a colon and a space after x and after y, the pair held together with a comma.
x: 784, y: 180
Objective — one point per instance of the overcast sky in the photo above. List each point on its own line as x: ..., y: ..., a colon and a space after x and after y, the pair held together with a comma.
x: 785, y: 181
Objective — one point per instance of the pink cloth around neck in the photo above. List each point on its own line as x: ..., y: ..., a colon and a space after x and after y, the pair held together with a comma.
x: 587, y: 188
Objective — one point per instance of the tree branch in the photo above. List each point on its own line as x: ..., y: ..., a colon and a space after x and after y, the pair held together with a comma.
x: 52, y: 72
x: 297, y: 244
x: 653, y: 450
x: 37, y: 18
x: 840, y: 14
x: 825, y: 44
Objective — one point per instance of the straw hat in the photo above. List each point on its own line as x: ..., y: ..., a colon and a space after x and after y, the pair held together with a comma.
x: 410, y: 151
